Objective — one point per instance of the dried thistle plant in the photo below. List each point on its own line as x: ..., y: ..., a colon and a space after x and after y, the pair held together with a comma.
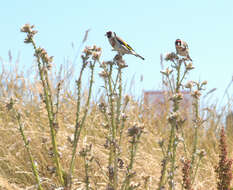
x: 114, y: 112
x: 90, y: 57
x: 223, y: 170
x: 181, y: 66
x: 44, y: 65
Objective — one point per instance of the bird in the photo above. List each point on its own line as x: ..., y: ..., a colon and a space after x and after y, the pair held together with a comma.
x: 182, y: 48
x: 120, y: 45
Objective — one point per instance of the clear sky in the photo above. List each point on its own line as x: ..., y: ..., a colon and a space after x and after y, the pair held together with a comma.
x: 149, y: 26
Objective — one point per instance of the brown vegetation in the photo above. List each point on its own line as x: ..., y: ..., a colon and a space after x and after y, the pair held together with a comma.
x: 121, y: 143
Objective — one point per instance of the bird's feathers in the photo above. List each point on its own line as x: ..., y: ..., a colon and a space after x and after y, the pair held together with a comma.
x: 122, y: 42
x: 120, y: 45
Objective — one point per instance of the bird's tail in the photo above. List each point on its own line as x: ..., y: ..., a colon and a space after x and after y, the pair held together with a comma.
x: 137, y: 55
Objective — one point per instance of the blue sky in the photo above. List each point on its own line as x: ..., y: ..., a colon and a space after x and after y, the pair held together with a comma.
x: 149, y: 26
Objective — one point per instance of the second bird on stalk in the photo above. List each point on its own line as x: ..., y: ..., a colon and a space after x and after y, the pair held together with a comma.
x: 182, y: 48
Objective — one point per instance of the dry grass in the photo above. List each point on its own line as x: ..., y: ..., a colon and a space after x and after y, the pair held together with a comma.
x: 15, y: 166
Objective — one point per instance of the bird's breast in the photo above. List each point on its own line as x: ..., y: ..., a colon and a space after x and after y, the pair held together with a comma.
x: 112, y: 42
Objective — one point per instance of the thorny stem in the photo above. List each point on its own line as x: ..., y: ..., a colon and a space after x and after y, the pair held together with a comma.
x: 49, y: 108
x: 113, y: 154
x: 80, y: 126
x: 87, y: 182
x: 122, y: 127
x: 170, y: 84
x: 118, y: 77
x: 196, y: 168
x: 133, y: 151
x: 57, y: 103
x: 26, y: 144
x: 195, y: 135
x: 119, y: 97
x: 197, y: 118
x: 174, y: 125
x: 171, y: 151
x: 182, y: 78
x: 77, y: 124
x: 185, y: 149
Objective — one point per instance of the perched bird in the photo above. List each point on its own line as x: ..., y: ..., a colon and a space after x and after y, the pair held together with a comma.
x: 120, y: 45
x: 182, y: 48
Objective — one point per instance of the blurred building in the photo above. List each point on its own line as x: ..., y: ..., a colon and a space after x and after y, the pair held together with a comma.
x: 159, y: 100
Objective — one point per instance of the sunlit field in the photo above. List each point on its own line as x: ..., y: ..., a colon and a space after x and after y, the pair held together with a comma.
x: 57, y: 133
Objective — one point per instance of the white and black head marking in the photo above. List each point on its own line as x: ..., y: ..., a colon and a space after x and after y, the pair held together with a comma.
x: 178, y: 42
x: 109, y: 34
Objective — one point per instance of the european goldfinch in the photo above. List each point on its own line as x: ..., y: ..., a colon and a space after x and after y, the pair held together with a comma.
x: 120, y: 45
x: 182, y: 48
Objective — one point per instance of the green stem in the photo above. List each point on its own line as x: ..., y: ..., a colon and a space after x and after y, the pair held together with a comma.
x: 119, y: 98
x: 26, y: 144
x: 49, y: 108
x: 195, y: 173
x: 79, y: 127
x: 113, y: 154
x: 87, y: 182
x: 196, y: 107
x: 185, y: 149
x: 133, y: 151
x: 174, y: 126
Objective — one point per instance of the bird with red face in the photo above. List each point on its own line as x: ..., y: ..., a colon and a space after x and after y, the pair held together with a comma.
x: 120, y: 45
x: 182, y: 48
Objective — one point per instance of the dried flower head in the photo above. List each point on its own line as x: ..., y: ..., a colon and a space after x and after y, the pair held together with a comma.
x: 166, y: 72
x: 189, y: 66
x: 27, y: 28
x: 126, y: 99
x: 41, y: 53
x: 134, y: 130
x: 117, y: 58
x: 10, y: 105
x: 102, y: 107
x: 87, y: 51
x: 204, y: 83
x: 94, y: 51
x: 189, y: 85
x: 96, y: 55
x: 120, y: 163
x: 174, y: 116
x: 103, y: 74
x: 171, y: 56
x: 122, y: 64
x: 177, y: 96
x: 196, y: 94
